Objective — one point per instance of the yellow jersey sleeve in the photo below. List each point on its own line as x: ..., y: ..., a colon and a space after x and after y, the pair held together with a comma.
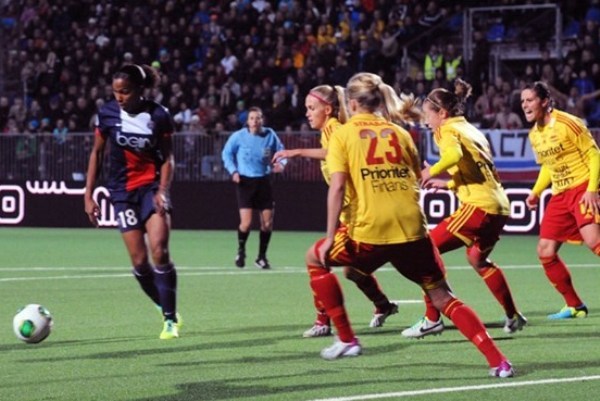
x: 542, y: 181
x: 594, y: 157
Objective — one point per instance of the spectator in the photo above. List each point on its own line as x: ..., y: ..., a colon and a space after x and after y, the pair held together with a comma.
x: 191, y: 40
x: 575, y: 103
x: 366, y: 58
x: 18, y: 112
x: 26, y: 152
x: 45, y: 126
x: 452, y: 62
x: 4, y: 112
x: 59, y: 133
x: 506, y: 118
x: 280, y: 111
x: 583, y: 83
x: 433, y: 61
x: 481, y: 54
x: 183, y: 118
x: 229, y: 61
x: 484, y: 107
x: 432, y: 16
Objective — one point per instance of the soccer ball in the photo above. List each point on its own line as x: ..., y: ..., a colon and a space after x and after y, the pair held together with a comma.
x: 32, y: 323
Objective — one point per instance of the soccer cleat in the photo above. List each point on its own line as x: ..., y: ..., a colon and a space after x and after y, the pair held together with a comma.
x: 170, y: 330
x: 179, y: 322
x: 262, y: 263
x: 318, y: 330
x: 424, y: 327
x: 569, y: 312
x: 240, y: 259
x: 515, y: 323
x: 341, y: 349
x: 503, y: 370
x: 379, y: 318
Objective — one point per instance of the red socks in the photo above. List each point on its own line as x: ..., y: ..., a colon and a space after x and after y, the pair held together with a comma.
x: 328, y: 291
x: 472, y: 327
x: 432, y: 314
x: 496, y: 281
x: 560, y: 277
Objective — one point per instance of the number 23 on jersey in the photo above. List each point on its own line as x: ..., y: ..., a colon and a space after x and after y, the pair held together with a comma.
x: 386, y: 149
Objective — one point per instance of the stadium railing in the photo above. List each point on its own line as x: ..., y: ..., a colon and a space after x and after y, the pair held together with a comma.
x: 198, y: 156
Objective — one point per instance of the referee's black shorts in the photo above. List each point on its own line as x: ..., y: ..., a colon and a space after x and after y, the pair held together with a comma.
x: 255, y: 193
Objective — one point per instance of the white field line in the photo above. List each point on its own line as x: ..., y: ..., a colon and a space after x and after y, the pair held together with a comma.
x: 194, y: 271
x: 445, y: 390
x: 277, y: 269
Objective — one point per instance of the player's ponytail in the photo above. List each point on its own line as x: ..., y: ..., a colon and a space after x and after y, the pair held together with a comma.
x: 374, y: 95
x: 152, y: 78
x: 409, y: 111
x: 333, y: 97
x: 453, y: 103
x: 342, y: 114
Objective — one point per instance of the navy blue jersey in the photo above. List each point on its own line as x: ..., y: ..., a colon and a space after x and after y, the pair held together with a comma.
x: 135, y: 143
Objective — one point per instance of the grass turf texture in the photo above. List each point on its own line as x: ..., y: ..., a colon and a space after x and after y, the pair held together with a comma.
x: 242, y: 334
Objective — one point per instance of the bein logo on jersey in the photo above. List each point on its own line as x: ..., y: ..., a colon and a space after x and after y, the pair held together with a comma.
x: 137, y: 142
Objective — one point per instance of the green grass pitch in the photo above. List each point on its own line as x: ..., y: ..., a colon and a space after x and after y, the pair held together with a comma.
x: 241, y: 338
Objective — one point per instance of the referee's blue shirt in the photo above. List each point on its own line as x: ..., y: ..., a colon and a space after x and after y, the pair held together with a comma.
x: 250, y: 154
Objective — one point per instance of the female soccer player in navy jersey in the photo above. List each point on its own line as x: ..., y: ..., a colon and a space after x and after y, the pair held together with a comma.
x: 140, y: 174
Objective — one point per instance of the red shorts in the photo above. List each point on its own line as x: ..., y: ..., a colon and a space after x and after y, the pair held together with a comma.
x: 469, y: 225
x: 418, y: 261
x: 563, y: 216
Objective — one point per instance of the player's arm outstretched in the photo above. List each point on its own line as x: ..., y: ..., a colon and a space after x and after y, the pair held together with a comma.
x: 314, y: 153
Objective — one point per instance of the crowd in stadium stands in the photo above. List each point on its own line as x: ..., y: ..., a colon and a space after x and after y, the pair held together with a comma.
x: 218, y: 58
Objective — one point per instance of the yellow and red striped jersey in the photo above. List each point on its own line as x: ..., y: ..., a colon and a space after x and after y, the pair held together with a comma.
x: 562, y: 147
x: 383, y: 167
x: 475, y: 177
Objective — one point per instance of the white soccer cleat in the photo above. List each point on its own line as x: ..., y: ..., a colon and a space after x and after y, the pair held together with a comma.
x: 318, y: 330
x: 379, y: 318
x: 515, y: 323
x: 424, y: 327
x: 340, y: 349
x: 503, y: 370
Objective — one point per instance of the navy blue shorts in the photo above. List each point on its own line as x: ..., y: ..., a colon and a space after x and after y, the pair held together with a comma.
x: 255, y: 193
x: 134, y: 208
